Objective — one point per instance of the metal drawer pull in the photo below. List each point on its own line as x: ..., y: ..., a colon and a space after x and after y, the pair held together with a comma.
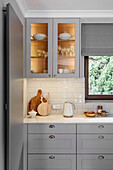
x: 51, y: 157
x: 51, y: 126
x: 52, y: 137
x: 101, y: 137
x: 101, y: 126
x: 101, y: 157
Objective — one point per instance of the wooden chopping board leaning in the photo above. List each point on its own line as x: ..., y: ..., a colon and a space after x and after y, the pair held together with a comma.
x: 35, y: 101
x: 44, y: 108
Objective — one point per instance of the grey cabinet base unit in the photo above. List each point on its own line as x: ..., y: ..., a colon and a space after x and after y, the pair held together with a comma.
x: 51, y: 143
x: 51, y: 162
x: 95, y: 162
x: 96, y: 143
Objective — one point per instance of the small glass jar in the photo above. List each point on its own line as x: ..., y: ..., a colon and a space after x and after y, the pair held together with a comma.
x: 99, y: 110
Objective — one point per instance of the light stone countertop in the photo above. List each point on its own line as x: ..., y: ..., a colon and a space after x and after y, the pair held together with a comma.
x: 75, y: 119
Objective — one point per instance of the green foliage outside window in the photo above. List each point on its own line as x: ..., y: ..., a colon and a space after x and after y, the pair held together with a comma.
x: 100, y: 75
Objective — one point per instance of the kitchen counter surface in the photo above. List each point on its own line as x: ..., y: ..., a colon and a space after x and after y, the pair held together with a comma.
x: 75, y: 119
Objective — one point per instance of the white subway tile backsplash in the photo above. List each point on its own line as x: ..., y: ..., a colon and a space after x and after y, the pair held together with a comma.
x: 64, y: 90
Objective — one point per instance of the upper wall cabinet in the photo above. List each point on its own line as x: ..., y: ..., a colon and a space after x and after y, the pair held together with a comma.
x: 52, y: 48
x: 66, y: 48
x: 39, y: 48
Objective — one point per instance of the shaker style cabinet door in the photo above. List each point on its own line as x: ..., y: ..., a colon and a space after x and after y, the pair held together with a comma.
x: 96, y: 143
x: 51, y: 143
x: 66, y: 48
x: 38, y: 48
x: 52, y: 162
x: 95, y: 162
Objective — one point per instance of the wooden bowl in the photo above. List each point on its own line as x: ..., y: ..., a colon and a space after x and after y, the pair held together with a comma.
x: 89, y: 114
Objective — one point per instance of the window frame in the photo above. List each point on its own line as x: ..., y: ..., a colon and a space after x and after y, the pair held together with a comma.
x: 92, y: 97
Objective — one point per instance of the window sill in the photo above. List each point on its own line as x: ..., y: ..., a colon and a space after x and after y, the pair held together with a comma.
x: 98, y: 101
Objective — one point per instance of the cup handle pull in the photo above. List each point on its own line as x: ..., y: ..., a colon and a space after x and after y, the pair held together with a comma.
x: 101, y: 137
x: 51, y: 157
x: 52, y: 137
x: 101, y: 157
x: 51, y: 126
x: 101, y: 126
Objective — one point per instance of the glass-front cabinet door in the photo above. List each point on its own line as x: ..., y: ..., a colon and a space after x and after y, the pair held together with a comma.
x: 66, y: 48
x: 39, y: 48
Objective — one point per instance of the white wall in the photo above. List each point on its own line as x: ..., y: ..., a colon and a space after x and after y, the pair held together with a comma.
x: 70, y: 4
x: 65, y: 90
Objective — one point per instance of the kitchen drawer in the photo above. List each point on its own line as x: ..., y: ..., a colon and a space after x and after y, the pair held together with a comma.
x: 52, y: 128
x: 56, y: 143
x: 94, y: 128
x: 95, y: 162
x: 96, y: 143
x: 51, y: 162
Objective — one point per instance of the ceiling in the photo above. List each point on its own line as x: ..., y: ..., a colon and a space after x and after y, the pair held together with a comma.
x: 69, y: 4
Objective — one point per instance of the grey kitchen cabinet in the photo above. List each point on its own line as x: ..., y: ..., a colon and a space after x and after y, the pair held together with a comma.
x: 39, y: 50
x: 68, y: 146
x: 94, y: 146
x: 95, y: 162
x: 52, y: 56
x: 52, y: 128
x: 52, y: 143
x: 53, y: 162
x: 95, y: 143
x: 50, y: 146
x: 94, y: 128
x: 66, y: 51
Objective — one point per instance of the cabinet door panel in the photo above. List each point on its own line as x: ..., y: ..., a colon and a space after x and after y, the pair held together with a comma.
x: 52, y: 128
x: 39, y: 48
x: 95, y: 128
x: 53, y: 162
x: 57, y: 143
x: 95, y: 162
x: 66, y: 48
x: 96, y: 143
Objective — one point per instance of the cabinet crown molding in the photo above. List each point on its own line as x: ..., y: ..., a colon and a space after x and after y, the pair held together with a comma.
x: 69, y: 13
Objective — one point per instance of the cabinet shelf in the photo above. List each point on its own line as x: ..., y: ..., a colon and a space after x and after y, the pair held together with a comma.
x: 66, y: 40
x: 39, y: 57
x: 66, y: 57
x: 39, y: 40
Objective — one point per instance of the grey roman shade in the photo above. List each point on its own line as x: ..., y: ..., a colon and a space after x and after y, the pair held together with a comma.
x: 97, y: 40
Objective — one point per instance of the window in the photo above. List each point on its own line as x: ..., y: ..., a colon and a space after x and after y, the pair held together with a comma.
x: 99, y: 78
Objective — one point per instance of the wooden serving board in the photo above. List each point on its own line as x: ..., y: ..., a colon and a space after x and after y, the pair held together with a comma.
x: 43, y: 109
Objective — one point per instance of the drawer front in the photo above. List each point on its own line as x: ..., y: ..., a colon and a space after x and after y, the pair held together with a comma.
x: 95, y: 162
x: 96, y: 143
x: 51, y: 162
x: 52, y: 128
x: 94, y: 128
x: 56, y: 143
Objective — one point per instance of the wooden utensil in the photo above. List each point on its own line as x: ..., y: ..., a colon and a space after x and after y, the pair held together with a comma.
x: 43, y: 109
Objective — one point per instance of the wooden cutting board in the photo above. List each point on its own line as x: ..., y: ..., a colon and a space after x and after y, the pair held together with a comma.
x: 44, y: 109
x: 35, y: 101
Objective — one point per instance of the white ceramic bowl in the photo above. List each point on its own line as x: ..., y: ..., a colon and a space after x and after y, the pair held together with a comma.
x: 65, y: 36
x: 60, y: 71
x: 32, y: 113
x: 39, y: 36
x: 34, y: 71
